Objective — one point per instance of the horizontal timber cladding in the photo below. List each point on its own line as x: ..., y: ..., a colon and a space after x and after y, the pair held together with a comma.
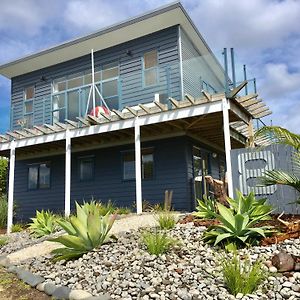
x: 249, y: 164
x: 195, y: 68
x: 170, y: 173
x: 131, y: 89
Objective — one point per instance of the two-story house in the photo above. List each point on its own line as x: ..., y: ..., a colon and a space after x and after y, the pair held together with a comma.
x: 124, y: 113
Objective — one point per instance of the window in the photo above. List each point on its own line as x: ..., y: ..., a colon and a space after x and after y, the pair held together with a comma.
x: 39, y: 176
x: 129, y: 164
x: 70, y: 94
x: 29, y: 94
x: 86, y: 168
x: 150, y: 68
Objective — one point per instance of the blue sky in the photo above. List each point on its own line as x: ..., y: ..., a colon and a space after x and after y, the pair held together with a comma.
x: 264, y: 33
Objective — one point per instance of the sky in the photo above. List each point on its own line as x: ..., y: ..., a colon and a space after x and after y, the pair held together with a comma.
x: 264, y: 33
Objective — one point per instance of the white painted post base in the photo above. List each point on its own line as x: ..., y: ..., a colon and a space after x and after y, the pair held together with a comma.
x: 138, y: 173
x: 10, y: 210
x: 226, y: 130
x: 68, y: 174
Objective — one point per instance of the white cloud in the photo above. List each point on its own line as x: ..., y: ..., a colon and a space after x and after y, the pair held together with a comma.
x: 90, y: 15
x: 246, y: 24
x: 279, y: 82
x: 28, y: 17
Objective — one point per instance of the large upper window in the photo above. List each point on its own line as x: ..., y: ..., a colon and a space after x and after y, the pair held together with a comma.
x: 29, y: 94
x: 150, y: 68
x: 129, y: 164
x: 70, y: 94
x: 39, y: 176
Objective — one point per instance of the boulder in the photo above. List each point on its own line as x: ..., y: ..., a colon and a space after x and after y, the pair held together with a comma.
x: 284, y: 262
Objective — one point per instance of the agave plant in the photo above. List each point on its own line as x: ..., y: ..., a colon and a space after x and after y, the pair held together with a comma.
x: 234, y: 229
x: 254, y: 208
x: 206, y: 208
x: 43, y: 224
x: 279, y: 135
x: 85, y: 231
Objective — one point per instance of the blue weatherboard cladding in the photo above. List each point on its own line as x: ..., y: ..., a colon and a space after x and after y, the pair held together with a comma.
x: 170, y: 173
x: 132, y: 89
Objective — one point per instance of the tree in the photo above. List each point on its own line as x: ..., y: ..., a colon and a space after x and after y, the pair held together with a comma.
x: 3, y: 174
x: 278, y: 135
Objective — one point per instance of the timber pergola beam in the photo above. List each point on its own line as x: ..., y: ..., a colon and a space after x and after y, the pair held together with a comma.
x: 237, y: 89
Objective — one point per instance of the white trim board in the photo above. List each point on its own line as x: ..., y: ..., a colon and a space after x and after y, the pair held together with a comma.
x: 179, y: 113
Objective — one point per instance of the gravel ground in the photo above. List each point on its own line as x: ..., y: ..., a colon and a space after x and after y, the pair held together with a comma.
x: 124, y: 270
x: 23, y: 246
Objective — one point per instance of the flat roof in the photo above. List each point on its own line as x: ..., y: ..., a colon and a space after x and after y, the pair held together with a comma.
x: 150, y: 22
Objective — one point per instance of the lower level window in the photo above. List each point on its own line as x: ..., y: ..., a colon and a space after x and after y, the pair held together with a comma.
x: 39, y: 176
x: 86, y: 168
x: 129, y: 164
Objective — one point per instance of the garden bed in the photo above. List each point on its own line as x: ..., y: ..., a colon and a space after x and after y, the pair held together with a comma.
x: 125, y: 270
x: 279, y: 236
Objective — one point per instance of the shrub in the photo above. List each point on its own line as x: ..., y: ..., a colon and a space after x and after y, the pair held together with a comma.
x: 234, y: 229
x: 103, y: 208
x: 85, y: 231
x: 254, y: 208
x: 3, y: 211
x: 3, y: 241
x: 242, y: 277
x: 3, y: 174
x: 43, y: 224
x: 206, y: 208
x: 158, y: 243
x: 122, y: 211
x: 17, y: 228
x: 166, y: 220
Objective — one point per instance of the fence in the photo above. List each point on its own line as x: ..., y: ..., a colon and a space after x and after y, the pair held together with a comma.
x: 249, y: 164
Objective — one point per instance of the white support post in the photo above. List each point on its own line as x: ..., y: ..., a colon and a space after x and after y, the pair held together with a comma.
x: 138, y: 173
x: 11, y: 184
x: 68, y: 174
x: 226, y: 130
x: 93, y: 82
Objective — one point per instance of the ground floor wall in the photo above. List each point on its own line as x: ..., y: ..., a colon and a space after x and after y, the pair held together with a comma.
x: 172, y: 170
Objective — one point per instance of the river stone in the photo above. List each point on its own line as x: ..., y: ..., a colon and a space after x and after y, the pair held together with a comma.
x: 79, y: 295
x: 49, y: 288
x: 61, y: 293
x: 41, y: 287
x: 4, y: 261
x: 29, y: 278
x: 101, y: 297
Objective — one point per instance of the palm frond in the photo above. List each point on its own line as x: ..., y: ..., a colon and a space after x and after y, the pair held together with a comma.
x: 280, y: 177
x: 278, y: 135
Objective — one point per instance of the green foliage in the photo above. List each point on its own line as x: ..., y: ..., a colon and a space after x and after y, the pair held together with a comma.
x: 166, y: 219
x: 17, y: 228
x: 158, y: 243
x: 254, y: 208
x: 3, y: 211
x: 43, y: 224
x: 279, y: 135
x: 104, y: 208
x: 242, y: 277
x: 206, y: 208
x: 3, y: 174
x: 85, y: 231
x: 234, y: 229
x: 3, y: 241
x: 122, y: 211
